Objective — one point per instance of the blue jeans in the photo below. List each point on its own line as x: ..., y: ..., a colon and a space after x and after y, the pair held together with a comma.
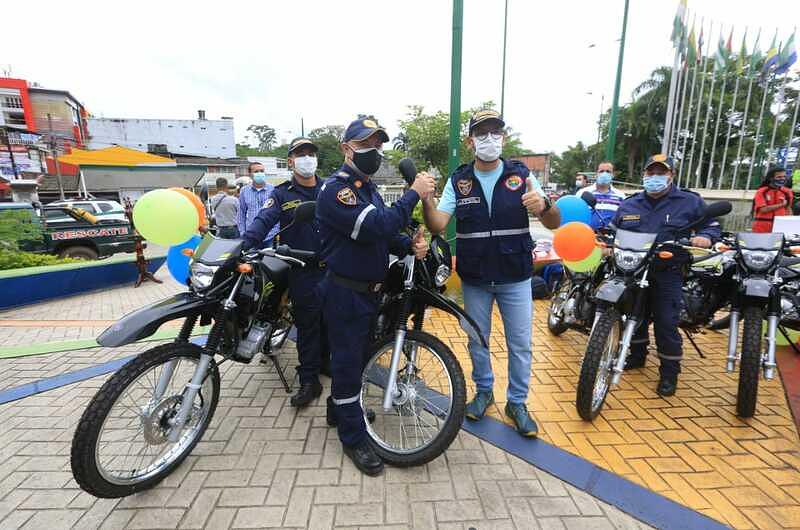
x: 516, y: 309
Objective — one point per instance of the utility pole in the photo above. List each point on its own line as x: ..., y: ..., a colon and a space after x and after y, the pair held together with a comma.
x: 454, y: 142
x: 302, y: 128
x: 503, y: 88
x: 612, y: 124
x: 54, y: 150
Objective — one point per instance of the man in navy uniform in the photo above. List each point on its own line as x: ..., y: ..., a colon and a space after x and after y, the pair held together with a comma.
x: 662, y: 206
x: 358, y: 232
x: 303, y: 281
x: 491, y: 199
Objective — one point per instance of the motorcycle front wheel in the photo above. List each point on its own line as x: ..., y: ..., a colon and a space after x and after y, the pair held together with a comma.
x: 427, y: 414
x: 750, y: 365
x: 555, y: 315
x: 598, y: 364
x: 121, y: 444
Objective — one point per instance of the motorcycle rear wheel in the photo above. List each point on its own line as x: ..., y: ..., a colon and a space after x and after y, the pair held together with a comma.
x: 555, y: 314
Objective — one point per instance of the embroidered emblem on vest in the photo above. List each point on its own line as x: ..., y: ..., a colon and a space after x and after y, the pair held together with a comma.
x: 289, y: 205
x: 346, y: 197
x: 513, y: 183
x: 464, y: 186
x: 269, y: 203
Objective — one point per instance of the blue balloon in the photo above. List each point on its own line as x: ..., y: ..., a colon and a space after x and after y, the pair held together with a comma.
x: 574, y: 208
x: 177, y: 263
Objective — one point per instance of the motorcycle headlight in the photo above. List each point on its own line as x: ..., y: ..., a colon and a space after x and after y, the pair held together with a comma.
x: 442, y: 274
x: 201, y: 275
x: 759, y: 260
x: 628, y: 260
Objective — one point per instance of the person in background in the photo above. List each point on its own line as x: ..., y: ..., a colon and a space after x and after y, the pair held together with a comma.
x: 580, y: 182
x: 608, y: 198
x: 226, y: 208
x: 772, y: 198
x: 252, y: 198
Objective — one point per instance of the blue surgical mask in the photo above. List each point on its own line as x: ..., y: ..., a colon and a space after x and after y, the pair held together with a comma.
x: 604, y: 178
x: 655, y: 183
x: 259, y: 178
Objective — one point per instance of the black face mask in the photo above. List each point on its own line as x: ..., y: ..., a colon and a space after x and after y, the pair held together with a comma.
x: 778, y: 183
x: 367, y: 161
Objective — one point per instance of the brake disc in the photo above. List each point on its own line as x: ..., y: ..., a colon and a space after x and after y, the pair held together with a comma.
x: 157, y: 423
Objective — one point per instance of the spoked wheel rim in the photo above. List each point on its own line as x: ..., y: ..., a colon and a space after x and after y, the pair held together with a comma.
x: 418, y: 415
x: 603, y: 379
x: 132, y: 444
x: 555, y: 315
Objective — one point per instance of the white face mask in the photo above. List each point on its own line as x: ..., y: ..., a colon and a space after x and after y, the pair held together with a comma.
x: 489, y: 149
x: 305, y: 165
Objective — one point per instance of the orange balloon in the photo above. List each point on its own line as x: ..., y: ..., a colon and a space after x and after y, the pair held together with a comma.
x: 574, y: 241
x: 197, y: 203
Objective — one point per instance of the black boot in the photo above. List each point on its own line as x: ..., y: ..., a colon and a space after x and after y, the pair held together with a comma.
x: 307, y: 393
x: 667, y: 384
x: 365, y: 458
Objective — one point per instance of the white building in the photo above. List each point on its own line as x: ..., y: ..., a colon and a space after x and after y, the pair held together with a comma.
x: 201, y: 137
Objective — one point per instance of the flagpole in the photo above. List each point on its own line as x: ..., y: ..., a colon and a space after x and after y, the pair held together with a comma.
x: 679, y: 109
x: 698, y: 171
x: 758, y: 131
x: 728, y: 136
x: 667, y: 141
x: 743, y: 125
x: 673, y: 84
x: 791, y: 130
x: 709, y: 182
x: 697, y: 115
x: 782, y: 92
x: 688, y: 114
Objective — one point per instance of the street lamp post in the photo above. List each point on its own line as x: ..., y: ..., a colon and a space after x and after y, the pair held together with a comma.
x: 454, y: 142
x: 612, y: 125
x: 503, y: 88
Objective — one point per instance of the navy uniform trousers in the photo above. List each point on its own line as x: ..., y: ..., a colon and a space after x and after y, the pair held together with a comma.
x: 312, y: 342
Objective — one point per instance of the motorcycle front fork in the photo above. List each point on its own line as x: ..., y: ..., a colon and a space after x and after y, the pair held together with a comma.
x: 631, y: 323
x: 391, y: 392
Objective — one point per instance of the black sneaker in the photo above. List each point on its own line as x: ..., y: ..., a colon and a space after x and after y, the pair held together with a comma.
x: 307, y: 393
x: 365, y: 458
x: 667, y: 385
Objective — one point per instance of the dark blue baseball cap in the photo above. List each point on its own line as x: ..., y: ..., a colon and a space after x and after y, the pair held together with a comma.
x: 363, y: 128
x: 660, y: 159
x: 301, y: 141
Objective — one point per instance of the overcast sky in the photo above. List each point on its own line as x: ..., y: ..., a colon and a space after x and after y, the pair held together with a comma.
x: 274, y: 61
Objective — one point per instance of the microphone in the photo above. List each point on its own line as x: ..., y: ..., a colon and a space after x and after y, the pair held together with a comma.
x: 408, y: 170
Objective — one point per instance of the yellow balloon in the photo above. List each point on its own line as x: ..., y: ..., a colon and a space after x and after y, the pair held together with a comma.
x: 165, y: 217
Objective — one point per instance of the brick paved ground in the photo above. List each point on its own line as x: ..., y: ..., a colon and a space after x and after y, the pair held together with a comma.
x: 690, y: 447
x: 261, y: 464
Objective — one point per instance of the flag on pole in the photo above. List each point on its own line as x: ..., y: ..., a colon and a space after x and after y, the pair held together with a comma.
x: 691, y: 48
x: 721, y: 57
x: 787, y: 57
x: 771, y: 58
x: 756, y: 56
x: 742, y: 55
x: 678, y: 27
x: 700, y: 42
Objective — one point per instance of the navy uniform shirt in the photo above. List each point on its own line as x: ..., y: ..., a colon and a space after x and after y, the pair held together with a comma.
x: 640, y: 213
x: 279, y: 207
x: 357, y: 230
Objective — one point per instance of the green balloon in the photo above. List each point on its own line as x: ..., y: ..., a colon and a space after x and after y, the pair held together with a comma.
x: 165, y: 217
x: 587, y: 264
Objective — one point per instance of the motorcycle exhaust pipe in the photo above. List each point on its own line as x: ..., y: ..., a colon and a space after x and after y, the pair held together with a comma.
x: 627, y: 336
x: 733, y: 342
x: 769, y: 362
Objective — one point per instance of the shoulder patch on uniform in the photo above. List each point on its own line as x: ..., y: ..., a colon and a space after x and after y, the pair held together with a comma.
x: 269, y: 203
x: 290, y: 204
x: 464, y: 186
x: 513, y: 183
x: 631, y: 217
x: 342, y: 174
x: 468, y: 200
x: 346, y: 197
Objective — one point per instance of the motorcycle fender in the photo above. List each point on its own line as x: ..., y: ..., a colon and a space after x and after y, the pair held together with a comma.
x: 435, y: 299
x: 145, y: 321
x: 610, y: 291
x: 758, y: 287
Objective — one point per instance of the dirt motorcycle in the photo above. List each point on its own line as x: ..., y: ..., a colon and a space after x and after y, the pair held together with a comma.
x: 766, y: 278
x: 622, y: 306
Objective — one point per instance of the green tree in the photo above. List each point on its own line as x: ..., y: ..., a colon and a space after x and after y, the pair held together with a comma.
x: 265, y: 134
x: 329, y: 157
x: 575, y: 159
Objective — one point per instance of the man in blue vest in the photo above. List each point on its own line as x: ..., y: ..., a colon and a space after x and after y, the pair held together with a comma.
x: 357, y: 234
x: 303, y: 282
x: 491, y: 199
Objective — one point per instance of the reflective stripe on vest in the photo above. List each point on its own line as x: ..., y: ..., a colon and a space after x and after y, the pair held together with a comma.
x: 507, y: 232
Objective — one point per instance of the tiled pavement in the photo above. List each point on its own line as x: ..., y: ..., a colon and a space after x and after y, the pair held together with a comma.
x: 261, y: 464
x: 690, y: 448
